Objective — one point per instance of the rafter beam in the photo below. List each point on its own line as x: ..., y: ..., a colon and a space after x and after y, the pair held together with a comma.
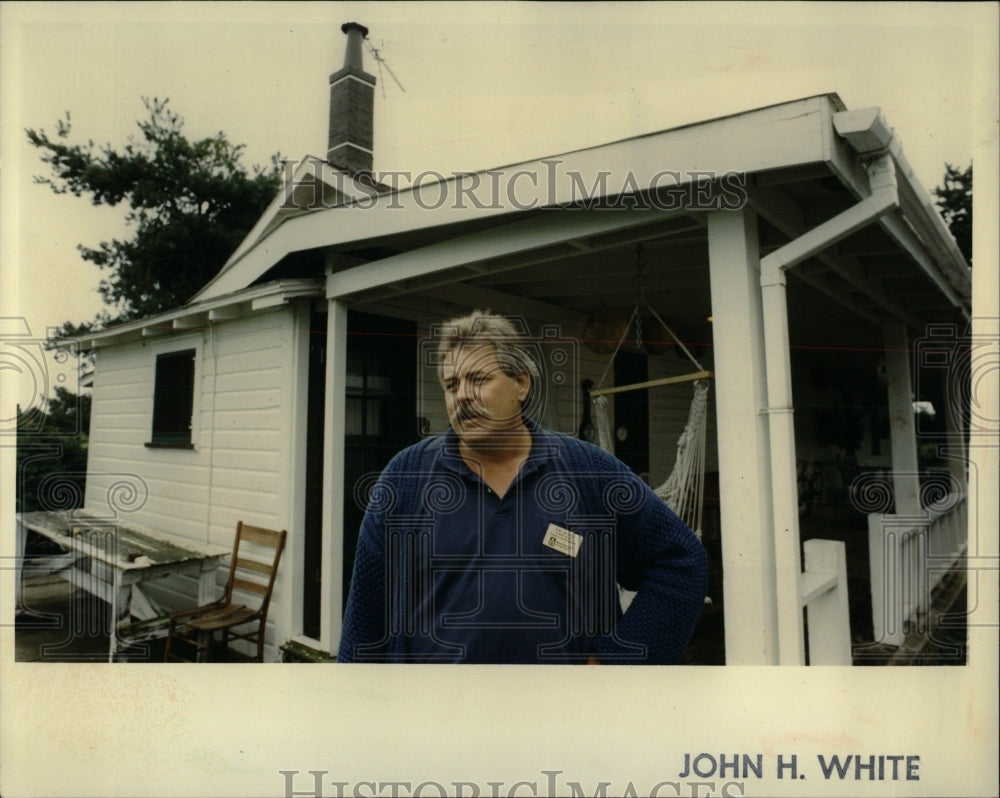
x: 536, y: 240
x: 193, y: 322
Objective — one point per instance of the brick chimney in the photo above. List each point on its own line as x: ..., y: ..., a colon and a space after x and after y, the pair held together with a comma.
x: 352, y: 108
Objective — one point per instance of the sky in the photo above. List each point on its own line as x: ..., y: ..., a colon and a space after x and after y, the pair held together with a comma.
x: 479, y: 85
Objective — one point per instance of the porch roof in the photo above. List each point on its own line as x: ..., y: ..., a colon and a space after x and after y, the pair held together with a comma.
x: 798, y: 172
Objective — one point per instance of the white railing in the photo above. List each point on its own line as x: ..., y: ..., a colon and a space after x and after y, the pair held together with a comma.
x: 908, y: 556
x: 823, y: 595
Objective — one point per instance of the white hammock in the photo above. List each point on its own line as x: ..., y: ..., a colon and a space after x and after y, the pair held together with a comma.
x: 684, y: 490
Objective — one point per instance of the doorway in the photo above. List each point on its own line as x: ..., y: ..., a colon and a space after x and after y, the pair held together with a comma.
x: 381, y: 410
x: 632, y: 413
x: 380, y: 419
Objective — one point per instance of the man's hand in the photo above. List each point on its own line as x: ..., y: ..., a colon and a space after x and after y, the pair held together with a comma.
x: 593, y: 660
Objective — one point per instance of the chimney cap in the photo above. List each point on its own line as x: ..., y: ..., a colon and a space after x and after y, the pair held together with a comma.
x: 347, y: 27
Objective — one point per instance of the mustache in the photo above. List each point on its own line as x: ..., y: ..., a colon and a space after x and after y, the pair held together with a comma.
x: 468, y: 413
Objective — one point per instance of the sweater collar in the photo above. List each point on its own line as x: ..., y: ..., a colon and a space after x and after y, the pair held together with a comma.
x: 543, y: 447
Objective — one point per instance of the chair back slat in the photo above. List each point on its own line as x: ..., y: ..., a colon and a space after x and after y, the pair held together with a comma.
x: 256, y: 534
x: 259, y: 538
x: 253, y: 587
x: 252, y: 565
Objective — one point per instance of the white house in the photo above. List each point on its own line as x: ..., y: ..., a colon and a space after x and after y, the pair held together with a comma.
x: 790, y: 247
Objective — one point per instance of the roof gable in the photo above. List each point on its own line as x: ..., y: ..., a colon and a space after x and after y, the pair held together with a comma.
x: 307, y: 185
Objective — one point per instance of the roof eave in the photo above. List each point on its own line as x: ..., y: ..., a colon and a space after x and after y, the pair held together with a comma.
x: 917, y: 227
x: 198, y: 315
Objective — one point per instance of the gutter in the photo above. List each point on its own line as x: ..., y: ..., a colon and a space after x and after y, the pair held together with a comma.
x: 940, y: 241
x: 788, y: 566
x: 884, y: 198
x: 868, y: 133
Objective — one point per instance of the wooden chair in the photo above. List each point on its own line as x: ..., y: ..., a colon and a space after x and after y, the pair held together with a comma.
x: 251, y: 570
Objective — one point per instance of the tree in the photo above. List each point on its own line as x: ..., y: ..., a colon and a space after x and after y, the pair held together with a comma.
x: 52, y: 453
x: 190, y: 203
x: 954, y: 198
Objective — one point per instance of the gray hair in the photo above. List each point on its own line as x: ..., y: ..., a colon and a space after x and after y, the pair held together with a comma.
x: 484, y: 327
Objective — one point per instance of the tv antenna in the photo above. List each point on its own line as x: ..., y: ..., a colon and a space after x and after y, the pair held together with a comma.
x: 377, y: 55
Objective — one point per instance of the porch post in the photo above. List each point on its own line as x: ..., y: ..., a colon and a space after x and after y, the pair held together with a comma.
x: 902, y: 429
x: 331, y: 593
x: 749, y: 592
x: 954, y: 449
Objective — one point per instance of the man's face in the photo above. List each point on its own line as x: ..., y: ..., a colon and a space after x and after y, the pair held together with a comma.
x: 482, y: 400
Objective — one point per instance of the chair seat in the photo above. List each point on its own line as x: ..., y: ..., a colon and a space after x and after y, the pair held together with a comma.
x: 216, y: 618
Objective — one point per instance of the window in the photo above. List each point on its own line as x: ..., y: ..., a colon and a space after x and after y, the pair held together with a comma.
x: 368, y: 390
x: 173, y: 399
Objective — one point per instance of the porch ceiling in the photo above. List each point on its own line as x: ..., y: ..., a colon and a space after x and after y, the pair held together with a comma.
x: 674, y: 276
x: 861, y: 281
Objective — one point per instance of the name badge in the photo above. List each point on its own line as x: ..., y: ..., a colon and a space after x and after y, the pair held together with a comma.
x: 562, y: 540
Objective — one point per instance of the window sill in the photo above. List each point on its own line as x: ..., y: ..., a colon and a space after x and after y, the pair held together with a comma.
x: 168, y: 445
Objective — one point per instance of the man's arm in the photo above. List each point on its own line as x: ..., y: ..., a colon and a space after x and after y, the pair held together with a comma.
x: 666, y: 564
x: 364, y: 634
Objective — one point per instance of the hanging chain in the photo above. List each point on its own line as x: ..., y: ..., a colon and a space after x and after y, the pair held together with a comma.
x: 640, y: 285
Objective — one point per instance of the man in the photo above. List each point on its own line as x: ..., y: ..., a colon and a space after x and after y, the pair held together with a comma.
x: 501, y: 542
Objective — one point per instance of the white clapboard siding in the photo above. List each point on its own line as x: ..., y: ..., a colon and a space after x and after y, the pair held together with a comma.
x: 248, y: 434
x: 240, y: 466
x: 123, y: 476
x: 241, y: 452
x: 238, y: 441
x: 263, y: 460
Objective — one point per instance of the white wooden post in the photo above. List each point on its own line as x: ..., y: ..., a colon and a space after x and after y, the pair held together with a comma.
x: 955, y: 449
x: 292, y: 604
x: 902, y: 429
x: 207, y: 586
x: 331, y: 593
x: 828, y: 613
x: 744, y: 450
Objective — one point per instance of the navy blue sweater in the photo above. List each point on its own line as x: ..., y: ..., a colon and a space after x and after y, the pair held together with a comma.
x: 447, y: 571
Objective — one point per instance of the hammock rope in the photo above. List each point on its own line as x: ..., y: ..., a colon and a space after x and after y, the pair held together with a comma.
x: 684, y: 490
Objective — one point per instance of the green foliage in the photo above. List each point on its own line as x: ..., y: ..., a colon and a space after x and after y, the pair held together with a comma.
x: 190, y: 204
x: 954, y: 198
x: 52, y: 453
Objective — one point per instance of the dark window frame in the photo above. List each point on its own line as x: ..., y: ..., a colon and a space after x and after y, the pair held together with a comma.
x: 173, y: 400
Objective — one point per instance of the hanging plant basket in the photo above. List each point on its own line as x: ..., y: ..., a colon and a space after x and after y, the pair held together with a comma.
x: 604, y: 328
x: 655, y: 339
